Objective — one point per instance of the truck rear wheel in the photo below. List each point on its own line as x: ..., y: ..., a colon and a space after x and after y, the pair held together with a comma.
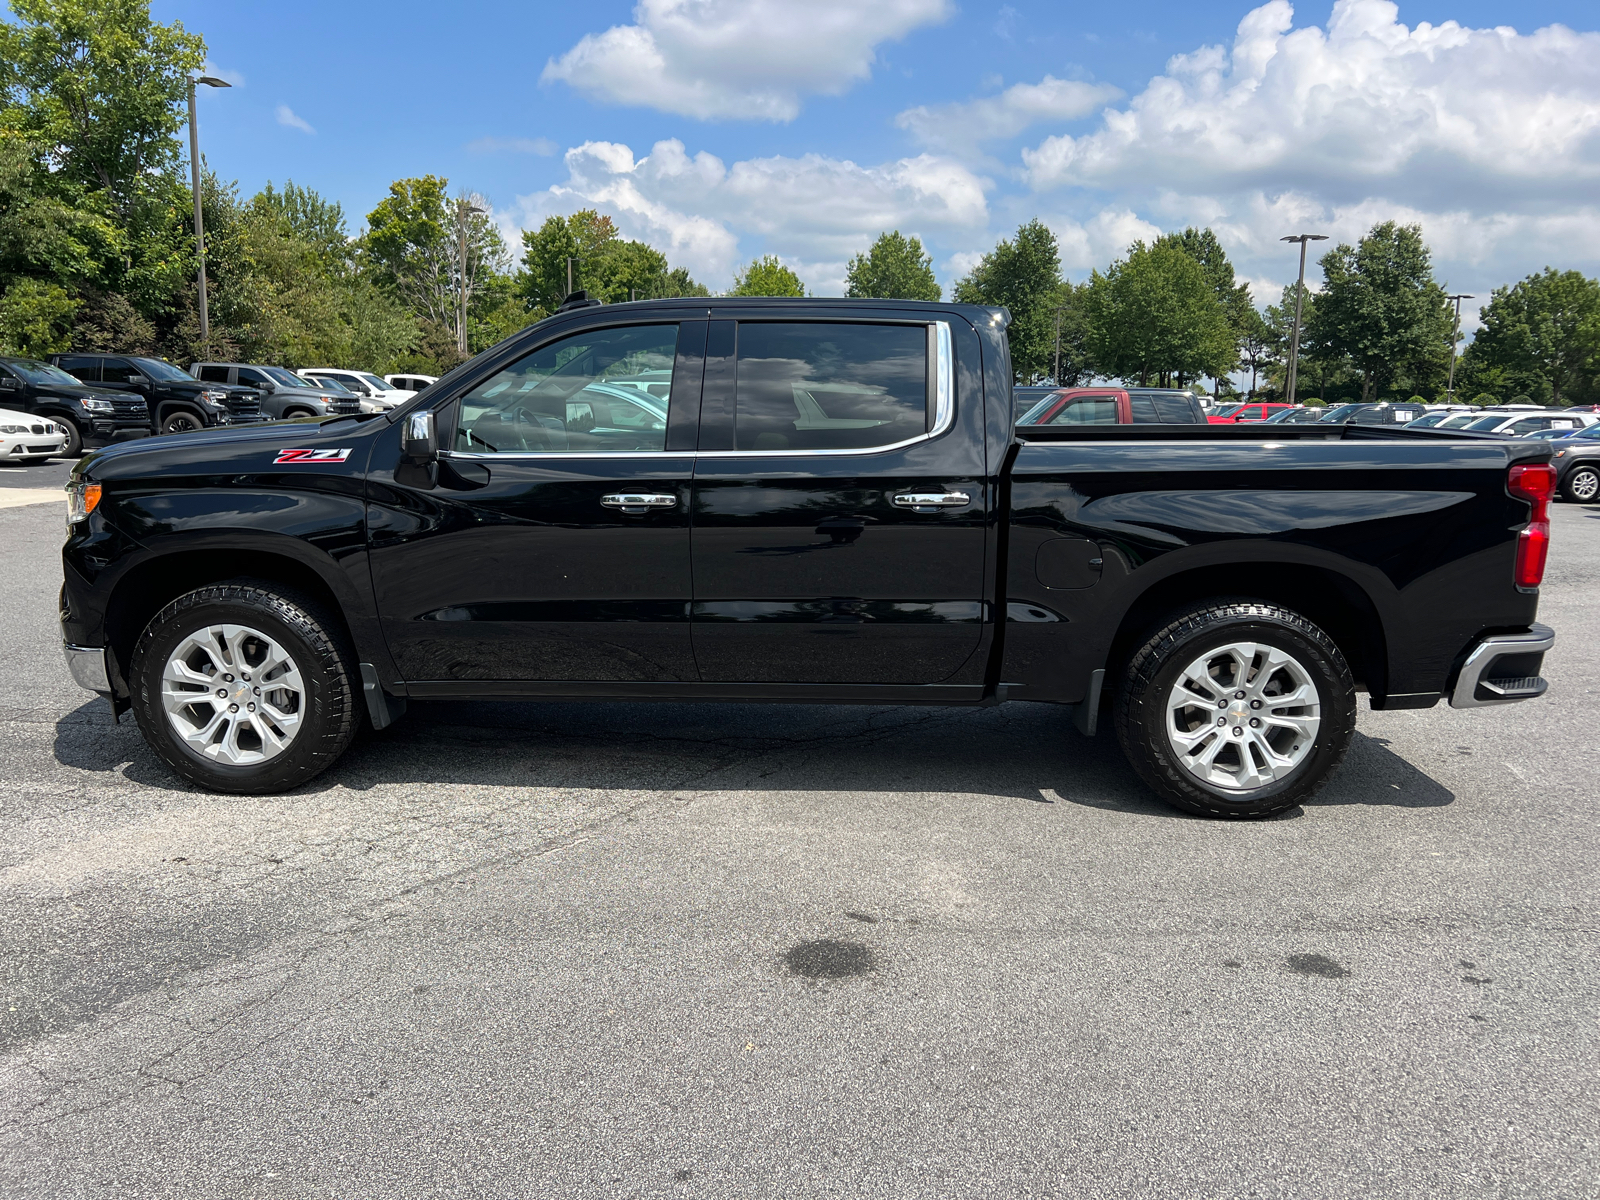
x: 1236, y: 709
x: 244, y: 687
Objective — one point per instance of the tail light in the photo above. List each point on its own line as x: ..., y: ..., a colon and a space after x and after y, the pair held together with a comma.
x: 1534, y: 483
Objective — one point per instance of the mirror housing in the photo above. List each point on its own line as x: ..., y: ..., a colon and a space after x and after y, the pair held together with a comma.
x: 419, y: 441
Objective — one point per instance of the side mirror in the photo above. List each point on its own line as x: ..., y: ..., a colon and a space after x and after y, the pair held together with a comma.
x: 8, y: 384
x: 419, y: 442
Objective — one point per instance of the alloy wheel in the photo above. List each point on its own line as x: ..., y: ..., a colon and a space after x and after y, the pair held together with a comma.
x: 1242, y: 716
x: 1585, y: 485
x: 232, y: 694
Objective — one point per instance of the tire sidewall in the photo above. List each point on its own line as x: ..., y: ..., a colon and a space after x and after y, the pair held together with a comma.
x: 170, y: 426
x: 1146, y: 717
x: 1570, y: 486
x: 327, y: 696
x: 74, y: 446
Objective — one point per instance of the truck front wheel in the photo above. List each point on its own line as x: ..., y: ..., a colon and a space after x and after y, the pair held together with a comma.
x: 181, y: 421
x: 1236, y: 709
x: 243, y: 687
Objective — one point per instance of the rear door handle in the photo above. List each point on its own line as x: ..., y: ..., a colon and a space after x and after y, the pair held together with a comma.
x: 931, y: 501
x: 635, y: 503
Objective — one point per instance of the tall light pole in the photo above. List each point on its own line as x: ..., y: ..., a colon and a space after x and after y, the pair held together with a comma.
x: 1455, y: 334
x: 199, y: 224
x: 571, y: 258
x: 1299, y: 296
x: 465, y: 208
x: 1057, y: 376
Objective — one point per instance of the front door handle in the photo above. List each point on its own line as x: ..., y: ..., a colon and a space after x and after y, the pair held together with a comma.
x: 637, y: 503
x: 931, y: 501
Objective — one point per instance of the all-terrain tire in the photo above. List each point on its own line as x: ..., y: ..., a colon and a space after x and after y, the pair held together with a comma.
x: 1157, y: 668
x: 329, y: 710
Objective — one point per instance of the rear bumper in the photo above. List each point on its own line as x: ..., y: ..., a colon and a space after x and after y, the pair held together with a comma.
x: 1503, y: 668
x: 88, y: 667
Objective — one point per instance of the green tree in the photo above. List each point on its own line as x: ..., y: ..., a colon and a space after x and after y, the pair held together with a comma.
x: 1024, y: 276
x: 1381, y: 307
x: 894, y: 268
x: 1154, y: 317
x: 300, y: 213
x: 102, y: 85
x: 35, y: 318
x: 542, y: 282
x: 606, y: 266
x: 1258, y: 346
x: 1541, y: 335
x: 1202, y: 246
x: 766, y: 276
x: 413, y: 243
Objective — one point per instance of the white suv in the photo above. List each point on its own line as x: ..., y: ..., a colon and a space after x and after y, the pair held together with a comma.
x: 376, y: 395
x: 1519, y: 422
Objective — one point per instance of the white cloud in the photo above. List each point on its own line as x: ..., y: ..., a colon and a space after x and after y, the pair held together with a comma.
x: 738, y: 59
x: 1369, y: 105
x: 541, y: 146
x: 1487, y: 138
x: 812, y: 211
x: 962, y: 128
x: 287, y: 117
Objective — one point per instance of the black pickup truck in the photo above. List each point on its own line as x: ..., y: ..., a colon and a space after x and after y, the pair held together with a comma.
x: 800, y: 501
x: 177, y: 402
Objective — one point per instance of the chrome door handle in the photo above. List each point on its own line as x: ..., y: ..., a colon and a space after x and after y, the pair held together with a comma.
x: 931, y: 501
x: 634, y: 503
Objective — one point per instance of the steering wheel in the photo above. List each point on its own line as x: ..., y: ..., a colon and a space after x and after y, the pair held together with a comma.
x: 530, y: 432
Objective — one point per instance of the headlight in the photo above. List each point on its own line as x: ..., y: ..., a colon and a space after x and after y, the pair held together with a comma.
x: 98, y: 404
x: 83, y: 498
x: 217, y: 398
x: 1561, y: 453
x: 13, y: 429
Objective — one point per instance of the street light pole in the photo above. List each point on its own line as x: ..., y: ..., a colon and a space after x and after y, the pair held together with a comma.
x: 571, y: 258
x: 199, y: 224
x: 1455, y: 334
x: 464, y: 211
x: 1299, y: 296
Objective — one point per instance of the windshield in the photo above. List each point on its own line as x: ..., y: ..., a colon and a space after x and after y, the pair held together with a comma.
x: 1592, y: 432
x: 286, y: 378
x: 1032, y: 415
x: 1427, y: 422
x: 38, y: 372
x: 163, y: 371
x: 372, y: 381
x: 1230, y: 410
x: 1456, y: 421
x: 1343, y: 413
x: 1484, y: 424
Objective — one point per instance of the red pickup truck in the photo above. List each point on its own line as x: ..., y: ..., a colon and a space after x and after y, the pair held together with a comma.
x: 1242, y: 413
x: 1107, y: 406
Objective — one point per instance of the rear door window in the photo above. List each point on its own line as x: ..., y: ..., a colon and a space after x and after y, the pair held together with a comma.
x: 81, y: 367
x: 1144, y: 410
x: 213, y: 374
x: 829, y: 386
x: 1174, y: 410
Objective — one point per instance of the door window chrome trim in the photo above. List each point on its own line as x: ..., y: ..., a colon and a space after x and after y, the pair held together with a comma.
x: 943, y: 387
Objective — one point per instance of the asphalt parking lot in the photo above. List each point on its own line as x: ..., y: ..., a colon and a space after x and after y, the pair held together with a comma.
x: 716, y: 950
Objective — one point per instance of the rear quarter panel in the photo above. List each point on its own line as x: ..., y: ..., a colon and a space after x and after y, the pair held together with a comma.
x: 1422, y: 526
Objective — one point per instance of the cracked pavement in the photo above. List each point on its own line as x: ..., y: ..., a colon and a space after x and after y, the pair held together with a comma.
x: 512, y: 950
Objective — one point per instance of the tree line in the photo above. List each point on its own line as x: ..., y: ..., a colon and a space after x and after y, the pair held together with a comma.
x: 1379, y: 327
x: 97, y: 252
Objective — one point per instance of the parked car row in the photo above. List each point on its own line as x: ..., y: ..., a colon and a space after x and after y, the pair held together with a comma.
x: 96, y: 399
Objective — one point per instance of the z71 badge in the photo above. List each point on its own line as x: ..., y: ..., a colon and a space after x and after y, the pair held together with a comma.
x: 311, y: 456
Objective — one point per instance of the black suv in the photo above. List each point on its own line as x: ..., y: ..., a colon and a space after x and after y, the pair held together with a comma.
x: 284, y: 395
x: 1383, y: 413
x: 178, y: 402
x: 89, y: 414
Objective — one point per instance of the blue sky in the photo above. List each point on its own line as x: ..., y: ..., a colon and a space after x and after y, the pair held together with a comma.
x: 801, y: 129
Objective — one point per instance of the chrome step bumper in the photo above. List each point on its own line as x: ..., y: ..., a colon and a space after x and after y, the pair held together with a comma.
x: 88, y: 666
x: 1503, y: 669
